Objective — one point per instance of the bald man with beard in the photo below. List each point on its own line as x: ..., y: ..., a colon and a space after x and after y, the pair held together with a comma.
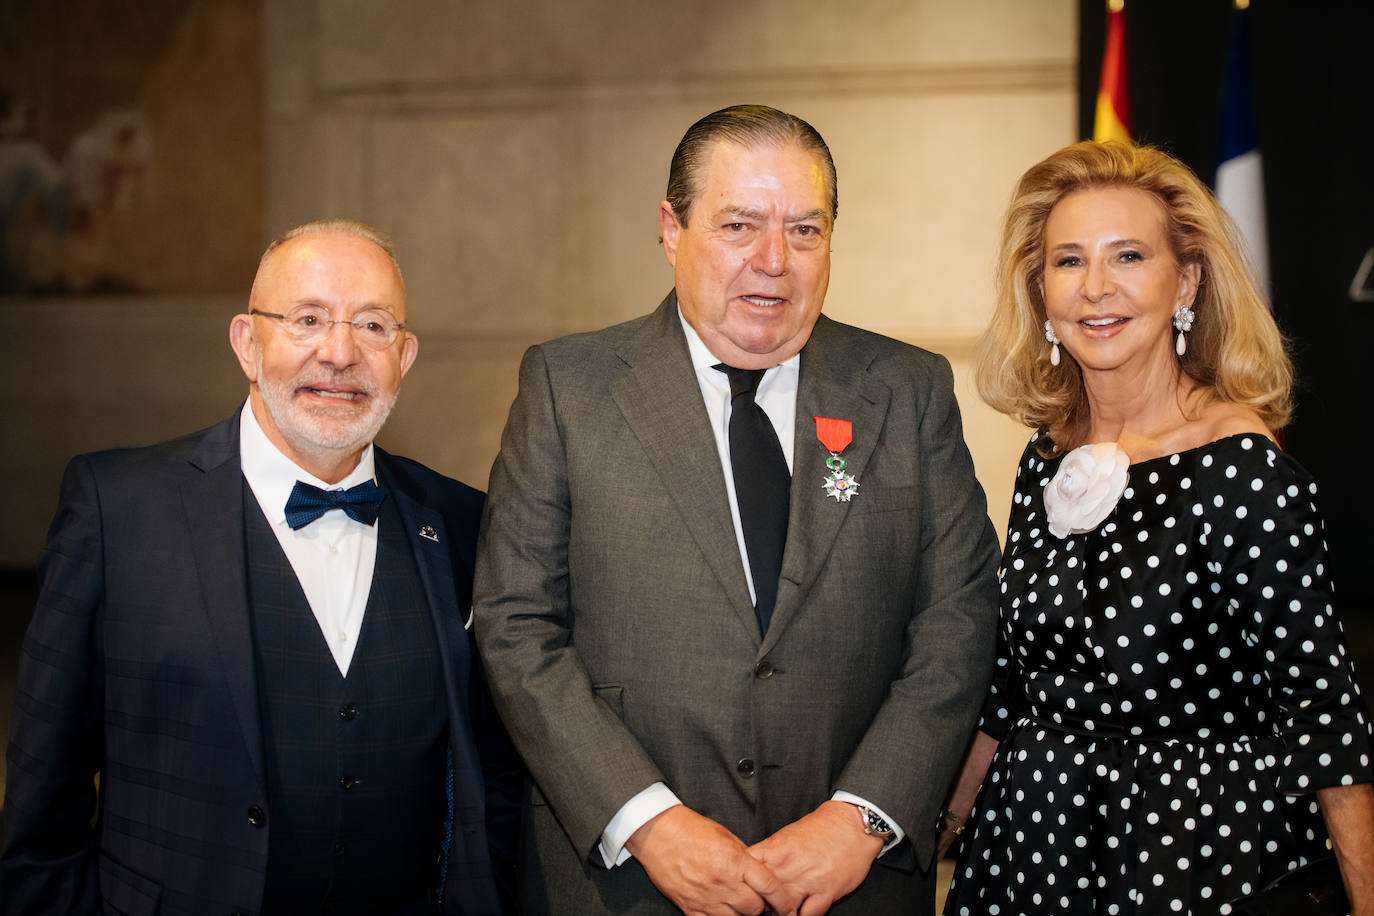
x: 257, y: 638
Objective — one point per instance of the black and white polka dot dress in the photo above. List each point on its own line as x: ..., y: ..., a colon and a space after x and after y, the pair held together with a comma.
x: 1171, y: 687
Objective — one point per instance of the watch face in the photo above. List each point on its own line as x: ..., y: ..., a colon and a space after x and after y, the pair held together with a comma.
x: 877, y: 824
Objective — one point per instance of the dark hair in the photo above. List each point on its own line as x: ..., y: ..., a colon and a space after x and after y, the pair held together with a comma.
x: 743, y: 125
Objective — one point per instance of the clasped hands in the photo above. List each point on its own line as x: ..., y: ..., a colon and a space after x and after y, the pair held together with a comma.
x: 798, y: 871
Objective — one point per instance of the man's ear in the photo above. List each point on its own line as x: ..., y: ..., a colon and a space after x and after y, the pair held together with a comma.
x: 409, y: 350
x: 668, y: 224
x: 244, y: 346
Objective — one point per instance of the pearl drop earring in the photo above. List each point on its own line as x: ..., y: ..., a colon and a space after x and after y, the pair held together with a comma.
x: 1053, y: 340
x: 1183, y: 321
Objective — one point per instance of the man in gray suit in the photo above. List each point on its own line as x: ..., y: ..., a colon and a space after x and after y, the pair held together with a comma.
x: 733, y: 693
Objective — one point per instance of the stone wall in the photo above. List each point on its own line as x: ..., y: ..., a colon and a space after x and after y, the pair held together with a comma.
x: 518, y: 150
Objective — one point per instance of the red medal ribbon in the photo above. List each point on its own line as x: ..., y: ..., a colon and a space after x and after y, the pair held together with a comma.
x: 834, y: 434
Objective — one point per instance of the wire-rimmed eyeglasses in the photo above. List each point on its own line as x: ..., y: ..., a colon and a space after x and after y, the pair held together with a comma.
x: 372, y: 327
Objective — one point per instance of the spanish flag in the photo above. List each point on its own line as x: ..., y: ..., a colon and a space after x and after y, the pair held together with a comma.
x: 1113, y: 121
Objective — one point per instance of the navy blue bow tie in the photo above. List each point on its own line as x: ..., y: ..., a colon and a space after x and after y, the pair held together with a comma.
x: 307, y: 503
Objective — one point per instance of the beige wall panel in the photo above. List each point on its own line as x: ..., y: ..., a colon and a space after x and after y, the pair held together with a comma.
x: 319, y: 168
x: 290, y: 48
x: 453, y: 404
x: 344, y: 172
x: 535, y: 221
x: 368, y: 44
x: 625, y: 172
x: 923, y: 186
x: 291, y: 197
x: 294, y: 143
x: 476, y: 205
x: 103, y: 373
x: 995, y: 441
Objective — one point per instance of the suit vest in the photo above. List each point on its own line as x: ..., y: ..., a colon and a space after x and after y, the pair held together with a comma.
x: 355, y: 765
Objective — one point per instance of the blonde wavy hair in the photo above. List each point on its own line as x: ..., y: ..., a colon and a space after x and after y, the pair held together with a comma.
x: 1235, y: 351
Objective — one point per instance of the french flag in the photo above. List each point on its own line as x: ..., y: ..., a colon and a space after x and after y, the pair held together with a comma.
x: 1240, y: 173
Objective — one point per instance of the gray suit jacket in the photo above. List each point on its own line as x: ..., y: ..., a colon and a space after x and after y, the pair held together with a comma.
x: 614, y: 617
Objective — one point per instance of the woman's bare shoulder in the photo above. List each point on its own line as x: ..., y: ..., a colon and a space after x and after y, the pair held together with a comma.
x: 1223, y: 418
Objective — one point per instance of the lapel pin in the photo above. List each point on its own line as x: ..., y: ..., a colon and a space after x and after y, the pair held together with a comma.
x: 428, y: 534
x: 836, y: 435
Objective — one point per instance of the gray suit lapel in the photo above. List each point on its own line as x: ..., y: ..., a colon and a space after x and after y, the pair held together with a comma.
x: 660, y: 398
x: 834, y: 382
x: 213, y: 503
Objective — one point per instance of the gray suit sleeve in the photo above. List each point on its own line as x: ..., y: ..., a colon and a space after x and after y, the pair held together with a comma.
x: 909, y: 754
x: 584, y: 761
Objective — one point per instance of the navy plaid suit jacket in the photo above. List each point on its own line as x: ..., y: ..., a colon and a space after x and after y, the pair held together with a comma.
x: 139, y: 666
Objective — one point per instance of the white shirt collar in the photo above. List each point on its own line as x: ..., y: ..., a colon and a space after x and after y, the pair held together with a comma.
x: 272, y: 475
x: 703, y: 358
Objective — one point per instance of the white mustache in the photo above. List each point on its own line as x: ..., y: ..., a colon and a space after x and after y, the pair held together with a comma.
x: 336, y: 379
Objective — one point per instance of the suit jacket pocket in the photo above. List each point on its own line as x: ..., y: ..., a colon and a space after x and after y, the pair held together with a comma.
x: 878, y: 499
x: 127, y: 892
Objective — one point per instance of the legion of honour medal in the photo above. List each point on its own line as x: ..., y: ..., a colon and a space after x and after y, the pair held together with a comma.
x: 836, y: 435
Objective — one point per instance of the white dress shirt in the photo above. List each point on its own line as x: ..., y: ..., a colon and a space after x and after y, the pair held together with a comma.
x: 334, y: 556
x: 777, y: 395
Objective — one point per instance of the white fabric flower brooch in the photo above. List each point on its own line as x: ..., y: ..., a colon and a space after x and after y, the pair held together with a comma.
x: 1085, y: 490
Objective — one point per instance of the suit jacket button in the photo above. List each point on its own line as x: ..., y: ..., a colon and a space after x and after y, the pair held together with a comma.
x: 746, y: 767
x: 345, y: 782
x: 257, y: 817
x: 348, y: 712
x: 763, y: 669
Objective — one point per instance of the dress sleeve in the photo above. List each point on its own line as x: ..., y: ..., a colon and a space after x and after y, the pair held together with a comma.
x: 1001, y: 709
x: 1266, y: 541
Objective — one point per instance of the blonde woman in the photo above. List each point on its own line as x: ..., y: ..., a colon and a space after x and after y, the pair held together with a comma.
x: 1174, y: 721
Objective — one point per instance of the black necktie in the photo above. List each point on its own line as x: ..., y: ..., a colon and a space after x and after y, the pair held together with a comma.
x: 762, y: 487
x: 307, y: 503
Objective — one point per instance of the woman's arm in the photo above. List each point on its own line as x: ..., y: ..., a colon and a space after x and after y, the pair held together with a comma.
x: 1349, y: 814
x: 977, y: 756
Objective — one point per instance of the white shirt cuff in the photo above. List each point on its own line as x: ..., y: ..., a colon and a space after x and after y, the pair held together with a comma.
x: 635, y: 813
x: 897, y: 832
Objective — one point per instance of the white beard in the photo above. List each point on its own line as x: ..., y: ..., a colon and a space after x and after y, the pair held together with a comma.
x: 318, y: 431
